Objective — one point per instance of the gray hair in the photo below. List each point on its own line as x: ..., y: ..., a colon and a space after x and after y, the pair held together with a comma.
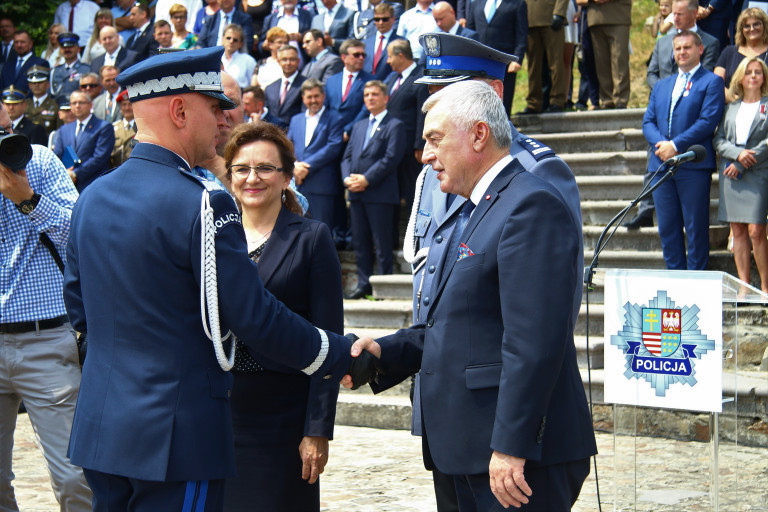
x: 472, y: 101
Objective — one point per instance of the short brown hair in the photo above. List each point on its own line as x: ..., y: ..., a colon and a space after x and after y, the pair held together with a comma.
x: 247, y: 133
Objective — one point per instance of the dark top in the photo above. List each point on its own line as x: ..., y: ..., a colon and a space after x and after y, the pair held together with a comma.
x: 730, y: 59
x: 258, y: 13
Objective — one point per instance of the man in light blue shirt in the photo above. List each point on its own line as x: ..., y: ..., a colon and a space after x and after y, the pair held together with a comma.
x: 415, y: 22
x: 38, y: 351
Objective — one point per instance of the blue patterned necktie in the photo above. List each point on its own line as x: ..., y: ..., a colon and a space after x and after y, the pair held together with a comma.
x: 461, y: 224
x: 676, y: 95
x: 369, y: 131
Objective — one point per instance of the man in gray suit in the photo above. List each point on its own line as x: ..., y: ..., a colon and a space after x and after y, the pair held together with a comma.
x: 662, y: 61
x: 322, y: 63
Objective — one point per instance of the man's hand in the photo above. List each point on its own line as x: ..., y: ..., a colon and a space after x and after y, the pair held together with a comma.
x: 314, y: 457
x: 513, y: 67
x: 14, y: 185
x: 665, y: 150
x: 462, y: 22
x: 256, y: 116
x: 508, y: 480
x: 364, y: 368
x: 356, y: 183
x: 300, y: 171
x: 328, y: 40
x: 747, y: 158
x: 72, y: 175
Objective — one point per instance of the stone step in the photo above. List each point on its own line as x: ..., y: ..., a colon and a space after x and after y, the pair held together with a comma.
x: 387, y: 314
x: 392, y: 410
x: 608, y: 163
x: 626, y: 139
x: 600, y: 213
x: 647, y: 239
x: 621, y: 187
x: 579, y: 121
x: 718, y: 260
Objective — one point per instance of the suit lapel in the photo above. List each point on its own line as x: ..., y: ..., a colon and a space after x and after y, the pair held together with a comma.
x: 489, y: 198
x: 279, y: 244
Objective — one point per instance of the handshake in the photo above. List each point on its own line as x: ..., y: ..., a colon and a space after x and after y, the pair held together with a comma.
x: 365, y: 364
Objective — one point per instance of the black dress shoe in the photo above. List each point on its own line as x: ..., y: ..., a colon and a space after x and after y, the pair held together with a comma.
x: 527, y: 111
x: 554, y: 109
x: 641, y: 221
x: 359, y: 293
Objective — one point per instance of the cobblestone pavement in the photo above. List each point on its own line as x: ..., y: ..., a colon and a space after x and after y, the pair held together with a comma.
x: 380, y: 470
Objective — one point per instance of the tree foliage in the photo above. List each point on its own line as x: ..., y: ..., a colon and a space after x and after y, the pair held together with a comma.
x: 34, y: 16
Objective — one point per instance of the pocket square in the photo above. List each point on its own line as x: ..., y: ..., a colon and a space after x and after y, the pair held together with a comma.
x: 464, y: 252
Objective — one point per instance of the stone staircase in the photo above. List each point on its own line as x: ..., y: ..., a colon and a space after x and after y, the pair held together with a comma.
x: 607, y: 153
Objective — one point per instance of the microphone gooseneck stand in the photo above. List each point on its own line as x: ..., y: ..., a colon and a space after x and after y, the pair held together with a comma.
x: 589, y: 273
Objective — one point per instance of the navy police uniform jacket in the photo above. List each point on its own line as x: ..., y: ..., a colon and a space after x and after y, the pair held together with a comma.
x: 496, y: 356
x: 153, y: 402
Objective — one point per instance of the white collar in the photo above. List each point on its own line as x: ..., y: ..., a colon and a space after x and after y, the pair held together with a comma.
x: 486, y: 179
x: 378, y: 117
x: 407, y: 71
x: 691, y: 72
x: 316, y: 116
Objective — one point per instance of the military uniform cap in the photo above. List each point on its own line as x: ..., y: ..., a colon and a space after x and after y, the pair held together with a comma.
x: 63, y: 102
x: 69, y: 39
x: 14, y: 95
x: 454, y: 58
x: 38, y: 74
x: 122, y: 96
x: 177, y: 73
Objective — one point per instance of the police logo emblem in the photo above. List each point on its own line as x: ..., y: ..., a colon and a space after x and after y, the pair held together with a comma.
x: 661, y: 343
x: 433, y: 45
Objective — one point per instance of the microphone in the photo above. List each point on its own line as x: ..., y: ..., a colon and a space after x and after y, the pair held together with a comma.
x: 695, y: 153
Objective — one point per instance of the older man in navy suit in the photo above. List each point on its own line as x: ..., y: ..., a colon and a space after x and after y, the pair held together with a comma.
x: 502, y: 404
x: 283, y: 96
x: 317, y: 141
x: 369, y: 169
x: 90, y: 138
x: 684, y: 109
x: 376, y: 44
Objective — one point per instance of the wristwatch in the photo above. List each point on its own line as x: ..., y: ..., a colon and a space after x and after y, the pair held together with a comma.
x: 28, y: 205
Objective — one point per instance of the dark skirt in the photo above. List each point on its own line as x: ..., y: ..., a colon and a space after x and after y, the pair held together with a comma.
x: 268, y: 411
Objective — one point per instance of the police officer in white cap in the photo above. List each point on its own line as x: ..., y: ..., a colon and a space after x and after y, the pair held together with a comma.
x: 152, y: 249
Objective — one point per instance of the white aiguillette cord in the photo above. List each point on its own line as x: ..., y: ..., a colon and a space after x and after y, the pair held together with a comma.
x: 209, y: 293
x: 415, y: 259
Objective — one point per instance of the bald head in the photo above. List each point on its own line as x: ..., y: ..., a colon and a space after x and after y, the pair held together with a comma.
x: 445, y: 16
x: 235, y: 116
x: 109, y: 39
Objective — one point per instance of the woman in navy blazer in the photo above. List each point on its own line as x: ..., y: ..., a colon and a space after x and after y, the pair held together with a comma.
x: 282, y: 419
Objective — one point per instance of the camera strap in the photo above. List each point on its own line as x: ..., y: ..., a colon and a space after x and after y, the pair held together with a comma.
x: 48, y: 243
